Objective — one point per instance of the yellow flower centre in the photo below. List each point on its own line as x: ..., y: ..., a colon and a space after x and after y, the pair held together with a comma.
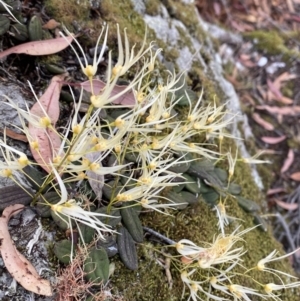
x: 152, y: 165
x: 101, y: 145
x: 213, y: 280
x: 34, y: 145
x: 119, y: 122
x: 45, y: 121
x: 197, y: 126
x: 179, y: 246
x: 96, y: 100
x: 145, y: 180
x: 144, y: 202
x: 233, y: 289
x: 268, y: 288
x: 166, y: 115
x: 123, y: 197
x: 71, y: 158
x: 6, y: 173
x: 118, y: 148
x: 194, y: 287
x: 191, y: 118
x: 150, y: 118
x: 77, y: 129
x: 85, y: 162
x: 155, y: 144
x: 89, y: 71
x: 117, y: 70
x: 57, y: 159
x: 81, y: 176
x: 94, y: 166
x: 140, y: 96
x: 23, y: 161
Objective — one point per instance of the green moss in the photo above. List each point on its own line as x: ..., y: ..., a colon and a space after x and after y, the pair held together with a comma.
x: 272, y: 43
x: 152, y: 7
x: 67, y: 11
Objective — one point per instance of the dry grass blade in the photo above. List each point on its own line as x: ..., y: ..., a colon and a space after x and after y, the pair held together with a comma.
x: 73, y: 286
x: 17, y: 265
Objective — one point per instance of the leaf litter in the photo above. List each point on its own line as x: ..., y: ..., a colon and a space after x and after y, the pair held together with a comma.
x: 271, y: 89
x: 16, y: 264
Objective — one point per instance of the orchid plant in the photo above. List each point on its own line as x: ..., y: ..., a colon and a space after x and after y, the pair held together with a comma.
x: 152, y: 132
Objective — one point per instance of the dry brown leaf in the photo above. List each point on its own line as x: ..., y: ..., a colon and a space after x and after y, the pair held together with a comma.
x: 51, y: 24
x: 272, y: 191
x: 49, y: 144
x: 127, y: 99
x: 286, y: 206
x: 294, y: 110
x: 290, y: 6
x: 286, y: 100
x: 265, y: 124
x: 44, y: 47
x: 16, y: 264
x: 12, y: 134
x: 283, y: 77
x: 295, y: 176
x: 275, y: 89
x: 288, y: 161
x: 273, y: 140
x: 48, y: 140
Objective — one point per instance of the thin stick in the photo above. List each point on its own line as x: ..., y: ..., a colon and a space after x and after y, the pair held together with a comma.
x: 160, y: 236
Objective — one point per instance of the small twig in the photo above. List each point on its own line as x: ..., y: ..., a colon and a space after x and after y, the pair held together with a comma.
x: 160, y: 236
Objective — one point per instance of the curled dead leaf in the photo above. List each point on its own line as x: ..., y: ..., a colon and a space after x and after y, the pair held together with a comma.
x: 287, y: 206
x: 295, y: 176
x: 265, y: 124
x: 273, y: 140
x: 16, y: 264
x: 288, y: 161
x: 294, y: 110
x: 12, y: 134
x: 275, y: 89
x: 44, y: 47
x: 272, y: 191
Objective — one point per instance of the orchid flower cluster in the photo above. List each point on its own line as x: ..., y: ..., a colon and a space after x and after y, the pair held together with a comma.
x: 152, y: 131
x: 219, y: 259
